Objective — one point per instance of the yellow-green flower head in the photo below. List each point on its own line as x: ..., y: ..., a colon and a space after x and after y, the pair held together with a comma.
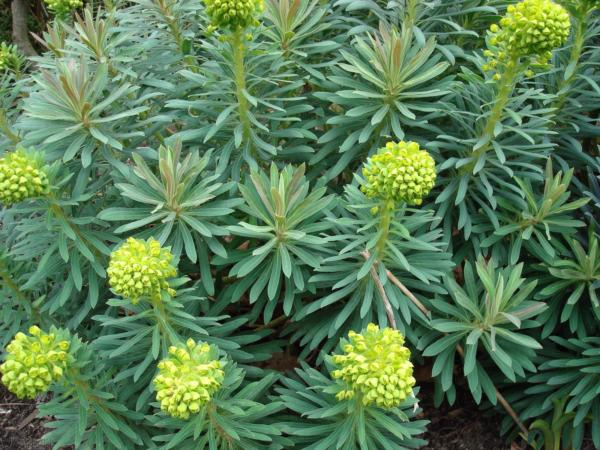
x: 63, y: 7
x: 233, y: 14
x: 141, y: 269
x: 375, y: 365
x: 9, y: 57
x: 34, y: 362
x: 399, y: 172
x: 22, y: 176
x: 188, y: 378
x: 531, y: 28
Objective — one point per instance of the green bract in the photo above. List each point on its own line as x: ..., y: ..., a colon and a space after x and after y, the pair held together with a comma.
x: 375, y: 366
x: 233, y: 14
x: 22, y: 176
x: 9, y: 57
x: 63, y: 7
x: 34, y: 362
x: 188, y: 378
x: 140, y: 269
x: 399, y: 172
x: 531, y: 28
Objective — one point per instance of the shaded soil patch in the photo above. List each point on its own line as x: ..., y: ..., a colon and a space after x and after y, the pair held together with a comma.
x: 19, y: 429
x: 462, y: 426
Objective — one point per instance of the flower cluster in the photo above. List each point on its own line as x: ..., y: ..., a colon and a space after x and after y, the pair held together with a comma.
x: 140, y: 269
x: 532, y: 29
x: 188, y: 378
x: 9, y: 57
x: 63, y: 7
x: 34, y: 362
x: 233, y: 14
x: 399, y: 172
x: 22, y: 176
x: 376, y: 366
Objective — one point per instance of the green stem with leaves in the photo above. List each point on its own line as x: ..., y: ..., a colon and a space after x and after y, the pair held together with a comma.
x: 5, y: 128
x: 239, y: 71
x: 565, y: 84
x: 23, y: 299
x: 161, y: 316
x: 506, y: 86
x: 386, y: 214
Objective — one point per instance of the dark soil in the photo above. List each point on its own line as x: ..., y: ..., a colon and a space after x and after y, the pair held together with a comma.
x: 461, y: 426
x: 19, y: 428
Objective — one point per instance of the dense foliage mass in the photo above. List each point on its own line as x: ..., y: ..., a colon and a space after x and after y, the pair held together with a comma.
x: 190, y: 187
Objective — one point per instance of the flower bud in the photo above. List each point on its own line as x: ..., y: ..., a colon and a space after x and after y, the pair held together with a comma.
x: 63, y: 7
x: 375, y: 365
x: 188, y: 378
x: 22, y: 176
x: 233, y: 14
x: 9, y: 57
x: 140, y: 269
x: 532, y: 29
x: 399, y: 172
x: 29, y: 368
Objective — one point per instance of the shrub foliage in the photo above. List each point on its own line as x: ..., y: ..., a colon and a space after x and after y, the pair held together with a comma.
x: 193, y: 188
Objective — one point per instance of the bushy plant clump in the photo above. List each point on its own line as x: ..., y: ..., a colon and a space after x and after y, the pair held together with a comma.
x: 245, y: 224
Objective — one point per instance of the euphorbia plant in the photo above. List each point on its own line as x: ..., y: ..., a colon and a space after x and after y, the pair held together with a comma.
x: 229, y: 228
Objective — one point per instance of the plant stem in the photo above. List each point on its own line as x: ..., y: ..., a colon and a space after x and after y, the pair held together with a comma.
x: 5, y: 128
x: 29, y: 306
x: 162, y: 320
x: 387, y: 213
x: 501, y: 399
x: 565, y: 84
x: 507, y: 85
x: 238, y: 50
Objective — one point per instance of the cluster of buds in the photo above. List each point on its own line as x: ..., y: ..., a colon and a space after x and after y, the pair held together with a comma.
x: 530, y: 29
x: 375, y: 366
x: 63, y: 7
x: 188, y: 378
x: 22, y: 176
x: 233, y: 14
x: 34, y: 362
x: 399, y: 172
x: 141, y: 269
x: 9, y: 57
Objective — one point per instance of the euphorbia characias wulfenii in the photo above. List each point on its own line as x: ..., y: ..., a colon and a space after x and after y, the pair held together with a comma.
x: 375, y: 365
x: 233, y: 14
x: 36, y: 361
x: 399, y: 172
x: 22, y: 176
x: 63, y: 7
x: 532, y: 28
x: 141, y: 269
x: 188, y: 378
x: 9, y: 58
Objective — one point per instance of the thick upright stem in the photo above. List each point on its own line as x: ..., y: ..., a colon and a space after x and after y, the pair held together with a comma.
x: 238, y: 49
x: 576, y: 51
x: 386, y: 215
x: 507, y: 84
x: 5, y: 128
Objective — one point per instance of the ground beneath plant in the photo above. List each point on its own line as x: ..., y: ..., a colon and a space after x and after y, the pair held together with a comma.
x: 460, y: 427
x: 19, y: 427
